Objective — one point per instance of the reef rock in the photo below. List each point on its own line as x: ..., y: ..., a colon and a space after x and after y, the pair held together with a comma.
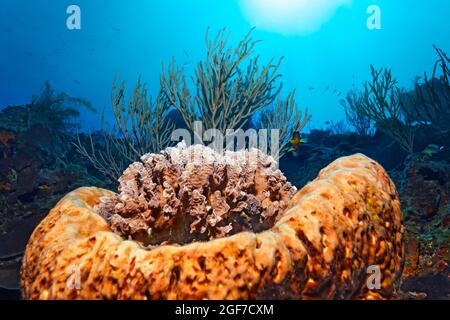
x: 426, y: 187
x: 322, y: 245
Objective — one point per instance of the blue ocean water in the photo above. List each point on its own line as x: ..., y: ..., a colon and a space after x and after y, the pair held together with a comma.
x: 131, y: 39
x: 328, y: 46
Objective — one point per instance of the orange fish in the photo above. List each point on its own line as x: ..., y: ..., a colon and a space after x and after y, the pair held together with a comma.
x: 296, y: 141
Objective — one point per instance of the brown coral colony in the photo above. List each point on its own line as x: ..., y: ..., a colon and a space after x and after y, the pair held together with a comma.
x: 188, y: 194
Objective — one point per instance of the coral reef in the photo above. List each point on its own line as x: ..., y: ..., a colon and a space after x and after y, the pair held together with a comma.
x: 14, y: 118
x: 434, y: 178
x: 231, y: 87
x: 355, y: 113
x: 381, y: 102
x: 429, y: 102
x: 37, y: 166
x: 422, y: 183
x: 143, y: 126
x: 286, y: 116
x: 345, y: 221
x: 56, y: 111
x: 399, y: 113
x: 190, y: 194
x: 427, y: 210
x: 34, y: 173
x: 228, y: 92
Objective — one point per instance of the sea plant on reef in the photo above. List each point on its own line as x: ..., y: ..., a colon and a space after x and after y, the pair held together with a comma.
x: 429, y: 103
x: 355, y: 114
x: 286, y: 117
x: 54, y: 111
x: 380, y: 100
x: 53, y: 116
x: 142, y: 126
x: 143, y: 122
x: 230, y: 92
x: 399, y: 113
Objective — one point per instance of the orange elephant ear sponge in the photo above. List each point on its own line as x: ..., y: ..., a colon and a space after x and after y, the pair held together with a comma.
x: 222, y: 227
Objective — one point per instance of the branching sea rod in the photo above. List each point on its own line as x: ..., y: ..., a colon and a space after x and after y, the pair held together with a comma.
x: 317, y: 244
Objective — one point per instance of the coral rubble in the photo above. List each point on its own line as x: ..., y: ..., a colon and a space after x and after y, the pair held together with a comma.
x: 321, y: 247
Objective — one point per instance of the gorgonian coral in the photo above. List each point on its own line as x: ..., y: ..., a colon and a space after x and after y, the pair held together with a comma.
x: 190, y: 194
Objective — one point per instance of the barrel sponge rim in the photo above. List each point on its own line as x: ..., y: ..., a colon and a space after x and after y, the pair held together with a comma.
x: 319, y: 249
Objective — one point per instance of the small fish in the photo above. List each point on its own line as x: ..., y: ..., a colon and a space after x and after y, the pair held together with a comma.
x: 28, y: 53
x: 55, y: 52
x: 335, y: 90
x: 7, y: 30
x: 310, y: 88
x: 432, y: 150
x: 44, y: 187
x: 296, y: 141
x: 327, y: 88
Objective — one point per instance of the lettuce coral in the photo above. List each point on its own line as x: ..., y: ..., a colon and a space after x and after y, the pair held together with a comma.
x: 190, y: 194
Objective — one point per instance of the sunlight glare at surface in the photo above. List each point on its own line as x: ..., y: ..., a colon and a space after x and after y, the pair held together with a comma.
x: 298, y: 17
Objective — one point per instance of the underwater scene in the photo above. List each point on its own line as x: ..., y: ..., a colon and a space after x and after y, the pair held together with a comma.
x: 225, y: 150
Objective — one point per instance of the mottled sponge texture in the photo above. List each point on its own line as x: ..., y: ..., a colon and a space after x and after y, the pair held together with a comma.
x: 188, y: 194
x: 337, y: 237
